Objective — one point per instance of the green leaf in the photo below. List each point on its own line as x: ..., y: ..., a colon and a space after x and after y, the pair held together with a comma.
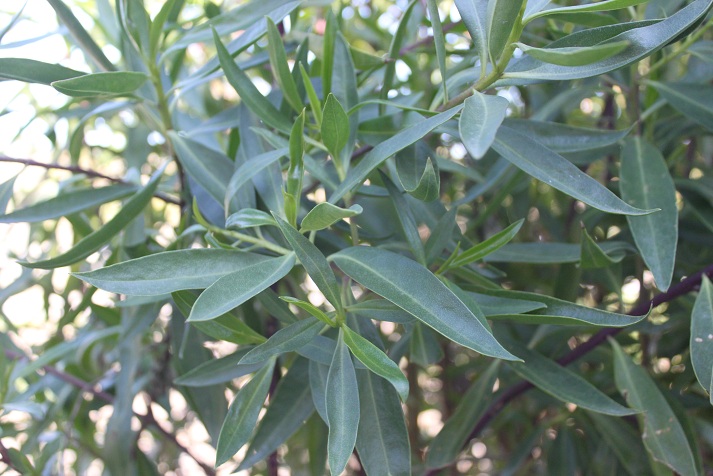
x: 114, y: 83
x: 416, y: 290
x: 492, y: 244
x: 663, y: 435
x: 441, y: 235
x: 95, y: 240
x: 290, y: 406
x: 565, y: 385
x: 602, y: 6
x: 335, y: 127
x: 552, y: 253
x: 556, y: 171
x: 280, y: 68
x: 644, y: 38
x: 68, y: 203
x: 242, y: 415
x: 388, y: 148
x: 342, y: 405
x: 83, y: 39
x: 407, y: 221
x: 423, y: 346
x: 702, y: 336
x: 156, y: 28
x: 6, y: 189
x: 574, y: 56
x: 209, y: 167
x: 439, y: 41
x: 325, y: 215
x: 313, y: 261
x: 503, y: 16
x: 693, y: 100
x: 475, y: 16
x: 248, y: 171
x: 330, y: 38
x: 624, y: 442
x: 170, y: 271
x: 563, y: 138
x: 312, y: 309
x: 377, y: 361
x: 287, y: 339
x: 592, y: 255
x: 481, y: 117
x: 248, y: 218
x: 494, y: 305
x: 248, y: 92
x: 418, y: 174
x: 646, y: 182
x: 562, y: 312
x: 216, y: 371
x: 314, y: 102
x: 448, y: 443
x: 31, y: 71
x: 397, y: 41
x: 381, y: 310
x: 232, y: 290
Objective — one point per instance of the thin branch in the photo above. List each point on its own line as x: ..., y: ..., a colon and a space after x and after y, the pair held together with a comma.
x: 684, y: 287
x: 79, y: 170
x: 147, y: 419
x: 5, y: 457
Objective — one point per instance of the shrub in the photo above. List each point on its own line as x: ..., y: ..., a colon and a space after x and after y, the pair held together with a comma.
x: 325, y: 228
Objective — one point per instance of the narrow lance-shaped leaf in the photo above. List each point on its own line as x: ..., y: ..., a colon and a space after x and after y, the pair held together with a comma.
x: 388, y: 148
x: 646, y: 183
x: 311, y: 308
x: 563, y: 138
x: 481, y: 117
x: 565, y: 385
x: 416, y: 290
x: 409, y: 227
x: 250, y: 169
x: 553, y: 169
x: 248, y: 218
x: 342, y: 406
x: 376, y: 361
x: 335, y: 127
x: 426, y: 186
x: 217, y: 371
x: 232, y: 290
x: 693, y: 100
x: 287, y: 339
x: 95, y: 240
x: 488, y: 246
x: 325, y: 215
x: 503, y: 16
x: 475, y: 16
x: 114, y: 83
x: 242, y: 415
x: 592, y: 255
x: 601, y: 6
x: 295, y: 172
x: 169, y: 271
x: 6, y: 189
x: 314, y: 103
x: 663, y: 435
x: 255, y: 101
x: 280, y: 68
x: 573, y: 56
x: 313, y: 261
x: 32, y: 71
x: 702, y: 336
x: 439, y: 41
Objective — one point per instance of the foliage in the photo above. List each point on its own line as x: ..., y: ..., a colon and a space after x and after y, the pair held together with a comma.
x: 333, y: 225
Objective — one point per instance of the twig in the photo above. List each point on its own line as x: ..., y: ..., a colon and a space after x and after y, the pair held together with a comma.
x: 5, y: 458
x: 511, y: 393
x: 79, y: 170
x: 147, y: 419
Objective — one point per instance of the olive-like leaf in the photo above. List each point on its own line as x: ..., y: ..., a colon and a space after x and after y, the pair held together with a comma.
x: 32, y: 71
x: 287, y: 339
x: 492, y: 244
x: 475, y: 16
x: 311, y: 308
x: 702, y: 336
x: 693, y: 100
x: 574, y: 56
x: 481, y: 117
x: 217, y: 371
x: 503, y: 16
x: 280, y: 68
x: 335, y: 126
x: 602, y: 6
x: 113, y: 83
x: 248, y: 218
x: 325, y: 215
x: 592, y: 254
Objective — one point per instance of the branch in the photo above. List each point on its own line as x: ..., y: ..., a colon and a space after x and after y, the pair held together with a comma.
x: 79, y: 170
x: 5, y: 458
x: 511, y: 393
x: 147, y: 419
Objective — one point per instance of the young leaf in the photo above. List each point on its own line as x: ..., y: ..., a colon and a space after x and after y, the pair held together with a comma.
x: 376, y: 360
x: 416, y: 290
x: 325, y: 215
x: 592, y: 255
x: 418, y: 174
x: 552, y: 253
x: 388, y: 148
x: 31, y: 71
x: 475, y: 16
x: 556, y: 171
x: 439, y: 41
x: 311, y: 308
x: 342, y: 407
x: 693, y: 100
x: 290, y: 406
x: 248, y: 92
x: 242, y: 415
x: 646, y: 183
x: 280, y: 68
x: 702, y: 336
x: 441, y: 235
x: 601, y: 6
x: 217, y: 371
x: 574, y: 56
x: 169, y: 271
x: 503, y: 16
x: 295, y: 172
x: 663, y: 435
x: 249, y: 170
x: 115, y: 83
x: 314, y: 103
x: 407, y: 222
x: 287, y: 339
x: 488, y: 246
x: 233, y: 289
x: 248, y: 218
x: 335, y: 127
x: 330, y: 38
x: 95, y: 240
x: 313, y: 261
x: 564, y: 384
x: 481, y: 117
